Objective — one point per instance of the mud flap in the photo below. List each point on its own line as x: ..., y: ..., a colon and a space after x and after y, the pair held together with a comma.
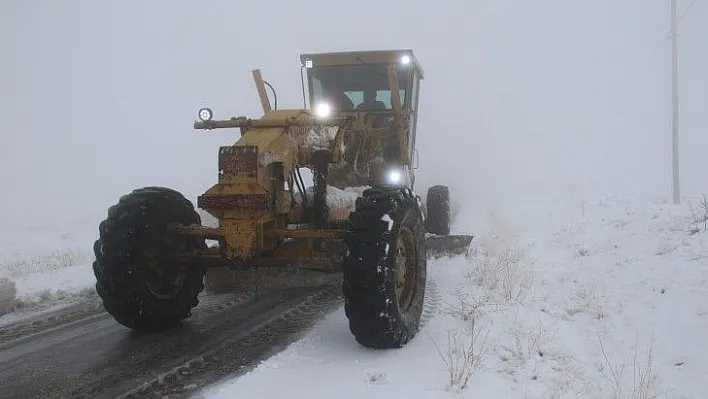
x: 451, y: 245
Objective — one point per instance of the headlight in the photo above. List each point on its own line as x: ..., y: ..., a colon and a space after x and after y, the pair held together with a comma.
x: 323, y: 110
x: 406, y: 59
x: 205, y: 114
x: 394, y: 177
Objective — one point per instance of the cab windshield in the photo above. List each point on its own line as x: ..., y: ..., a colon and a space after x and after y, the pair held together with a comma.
x: 354, y: 88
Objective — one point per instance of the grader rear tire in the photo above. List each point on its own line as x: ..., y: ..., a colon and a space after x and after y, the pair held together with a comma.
x: 140, y: 288
x: 437, y: 218
x: 384, y: 268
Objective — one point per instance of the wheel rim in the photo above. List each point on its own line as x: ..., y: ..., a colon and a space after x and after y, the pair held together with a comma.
x: 405, y: 269
x: 162, y: 281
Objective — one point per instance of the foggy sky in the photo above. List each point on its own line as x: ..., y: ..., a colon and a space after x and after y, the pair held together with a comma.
x: 98, y: 99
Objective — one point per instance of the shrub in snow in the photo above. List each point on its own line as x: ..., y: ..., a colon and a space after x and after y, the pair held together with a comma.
x: 55, y: 260
x: 501, y: 269
x: 7, y: 295
x: 463, y: 356
x: 700, y: 215
x: 641, y: 383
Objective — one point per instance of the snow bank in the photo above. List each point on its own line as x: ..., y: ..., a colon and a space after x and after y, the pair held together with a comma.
x: 591, y: 299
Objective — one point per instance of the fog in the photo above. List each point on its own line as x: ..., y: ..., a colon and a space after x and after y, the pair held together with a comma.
x: 98, y: 98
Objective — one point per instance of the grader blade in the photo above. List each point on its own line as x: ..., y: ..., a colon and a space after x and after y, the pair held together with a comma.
x: 450, y: 245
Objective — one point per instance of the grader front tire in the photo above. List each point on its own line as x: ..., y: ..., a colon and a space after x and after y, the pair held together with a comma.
x: 384, y: 268
x: 140, y: 288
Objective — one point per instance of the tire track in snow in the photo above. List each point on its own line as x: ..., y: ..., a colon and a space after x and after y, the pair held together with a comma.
x: 431, y: 304
x: 96, y: 356
x: 33, y: 326
x: 242, y: 351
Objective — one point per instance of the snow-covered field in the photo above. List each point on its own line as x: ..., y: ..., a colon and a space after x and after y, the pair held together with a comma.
x: 48, y: 267
x: 592, y: 299
x: 555, y: 298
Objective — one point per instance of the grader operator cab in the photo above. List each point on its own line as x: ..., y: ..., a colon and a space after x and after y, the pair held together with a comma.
x: 360, y: 216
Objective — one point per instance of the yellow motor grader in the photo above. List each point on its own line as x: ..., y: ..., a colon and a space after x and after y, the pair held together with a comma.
x: 358, y: 215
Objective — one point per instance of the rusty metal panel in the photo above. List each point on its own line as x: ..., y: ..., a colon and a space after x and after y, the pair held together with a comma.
x: 238, y: 163
x: 241, y: 238
x: 250, y: 202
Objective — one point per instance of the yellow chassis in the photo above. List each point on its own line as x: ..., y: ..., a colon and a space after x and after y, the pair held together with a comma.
x: 301, y: 251
x: 253, y: 199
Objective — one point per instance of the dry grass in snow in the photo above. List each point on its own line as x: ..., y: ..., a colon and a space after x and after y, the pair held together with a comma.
x: 7, y: 295
x: 699, y: 213
x: 462, y: 356
x: 640, y: 383
x: 504, y: 271
x: 465, y: 350
x: 32, y: 264
x: 37, y: 281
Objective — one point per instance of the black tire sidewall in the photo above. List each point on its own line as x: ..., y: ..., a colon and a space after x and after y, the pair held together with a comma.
x: 137, y: 222
x: 369, y: 272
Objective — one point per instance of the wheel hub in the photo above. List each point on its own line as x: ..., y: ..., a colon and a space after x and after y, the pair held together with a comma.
x: 163, y: 281
x: 405, y: 269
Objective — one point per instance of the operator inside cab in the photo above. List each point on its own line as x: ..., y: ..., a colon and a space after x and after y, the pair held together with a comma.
x: 370, y: 102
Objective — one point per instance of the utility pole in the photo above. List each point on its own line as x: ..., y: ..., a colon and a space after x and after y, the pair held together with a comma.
x: 675, y: 105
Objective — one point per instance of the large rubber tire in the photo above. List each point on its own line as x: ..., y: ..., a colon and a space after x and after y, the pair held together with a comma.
x: 377, y: 317
x: 437, y: 218
x: 133, y: 237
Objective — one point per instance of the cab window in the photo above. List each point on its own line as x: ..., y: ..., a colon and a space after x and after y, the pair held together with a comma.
x: 346, y: 87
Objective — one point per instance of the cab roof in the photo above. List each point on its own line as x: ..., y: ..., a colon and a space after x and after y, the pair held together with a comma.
x: 361, y: 57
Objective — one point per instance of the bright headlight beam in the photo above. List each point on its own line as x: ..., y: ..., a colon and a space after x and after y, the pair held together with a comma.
x: 323, y: 110
x: 394, y: 177
x: 205, y: 114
